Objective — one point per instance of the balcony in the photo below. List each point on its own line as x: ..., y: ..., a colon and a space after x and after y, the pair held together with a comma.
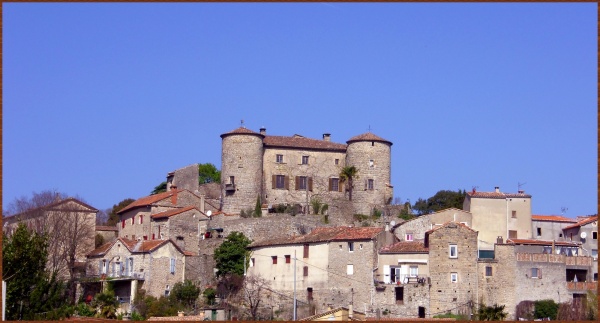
x: 582, y: 286
x: 568, y: 260
x: 115, y: 276
x: 230, y: 187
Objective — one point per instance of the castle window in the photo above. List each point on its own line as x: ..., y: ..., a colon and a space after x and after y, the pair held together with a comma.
x: 453, y: 251
x: 370, y: 184
x: 454, y: 277
x: 141, y: 218
x: 371, y: 163
x: 334, y: 185
x: 280, y: 181
x: 279, y: 158
x: 337, y: 161
x: 304, y: 160
x: 232, y: 180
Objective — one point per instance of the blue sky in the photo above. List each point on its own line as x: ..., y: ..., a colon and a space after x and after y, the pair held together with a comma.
x: 102, y: 100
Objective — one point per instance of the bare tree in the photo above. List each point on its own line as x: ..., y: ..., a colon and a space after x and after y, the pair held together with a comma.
x: 253, y: 293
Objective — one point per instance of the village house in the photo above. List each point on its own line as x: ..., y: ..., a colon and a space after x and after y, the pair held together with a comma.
x: 65, y: 220
x: 550, y: 227
x: 293, y: 170
x: 414, y: 229
x: 153, y: 265
x: 530, y: 270
x: 585, y: 231
x: 333, y: 266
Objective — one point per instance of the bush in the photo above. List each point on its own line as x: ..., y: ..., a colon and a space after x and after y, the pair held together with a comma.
x: 324, y: 208
x: 82, y: 309
x: 316, y: 205
x: 258, y: 208
x: 545, y: 308
x: 360, y: 217
x: 376, y: 213
x: 247, y: 213
x: 210, y: 294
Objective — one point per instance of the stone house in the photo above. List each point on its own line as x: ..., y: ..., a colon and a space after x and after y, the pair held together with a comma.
x: 139, y: 219
x: 153, y: 265
x: 337, y: 314
x: 402, y: 279
x: 65, y: 220
x: 296, y: 169
x: 509, y: 212
x: 414, y: 229
x: 549, y: 227
x: 452, y: 268
x: 333, y: 266
x: 521, y: 271
x: 585, y: 231
x: 108, y: 233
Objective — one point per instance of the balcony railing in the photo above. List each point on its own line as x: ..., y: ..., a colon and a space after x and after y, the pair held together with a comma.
x: 568, y: 260
x: 582, y: 285
x: 138, y: 276
x: 230, y: 187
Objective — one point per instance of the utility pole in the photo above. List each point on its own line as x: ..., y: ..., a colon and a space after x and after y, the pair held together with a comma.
x: 244, y: 265
x: 294, y: 285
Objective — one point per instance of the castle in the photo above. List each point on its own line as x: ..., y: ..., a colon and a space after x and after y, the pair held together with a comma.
x: 295, y: 170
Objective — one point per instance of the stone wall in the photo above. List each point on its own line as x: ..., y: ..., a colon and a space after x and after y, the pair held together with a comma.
x: 359, y: 154
x: 419, y: 225
x: 184, y: 178
x: 185, y: 229
x: 414, y: 296
x: 446, y: 295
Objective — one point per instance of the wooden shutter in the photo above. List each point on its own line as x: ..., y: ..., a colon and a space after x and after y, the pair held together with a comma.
x: 273, y: 181
x: 339, y: 186
x: 330, y: 185
x: 540, y: 273
x: 305, y: 270
x: 305, y: 251
x: 297, y: 182
x: 310, y: 184
x: 286, y: 182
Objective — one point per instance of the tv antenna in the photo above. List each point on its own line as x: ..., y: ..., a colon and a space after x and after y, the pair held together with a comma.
x: 563, y: 210
x: 519, y: 185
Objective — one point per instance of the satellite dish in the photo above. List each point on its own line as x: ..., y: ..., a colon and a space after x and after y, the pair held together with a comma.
x: 583, y: 235
x: 208, y: 213
x: 393, y: 223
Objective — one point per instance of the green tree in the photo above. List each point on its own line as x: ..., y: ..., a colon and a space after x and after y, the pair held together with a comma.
x: 208, y: 173
x: 440, y: 201
x: 160, y: 188
x: 229, y: 256
x: 210, y: 294
x: 113, y: 217
x: 258, y: 208
x: 30, y: 290
x: 185, y: 293
x: 98, y: 240
x: 348, y: 174
x: 106, y: 303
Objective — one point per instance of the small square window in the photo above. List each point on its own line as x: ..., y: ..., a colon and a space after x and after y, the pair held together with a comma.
x: 337, y: 161
x: 453, y: 251
x: 454, y: 277
x: 488, y: 271
x: 514, y: 214
x: 350, y: 269
x: 274, y: 260
x: 350, y: 246
x: 535, y: 273
x: 408, y: 236
x: 539, y: 232
x: 304, y: 160
x: 279, y: 158
x: 288, y: 259
x: 370, y: 184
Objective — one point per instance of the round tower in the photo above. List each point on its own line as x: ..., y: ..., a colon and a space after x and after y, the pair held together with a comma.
x: 241, y: 169
x: 371, y: 155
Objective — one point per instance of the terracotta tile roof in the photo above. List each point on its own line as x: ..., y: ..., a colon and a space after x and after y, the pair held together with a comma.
x: 497, y: 195
x: 405, y: 247
x: 542, y: 242
x: 302, y: 143
x: 149, y: 200
x: 582, y: 222
x: 323, y: 234
x: 176, y: 211
x: 552, y: 218
x: 368, y: 136
x: 241, y: 131
x: 134, y: 246
x: 446, y: 224
x: 106, y: 228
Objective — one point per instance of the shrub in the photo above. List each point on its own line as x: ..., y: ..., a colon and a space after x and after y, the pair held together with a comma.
x: 316, y: 205
x: 376, y: 213
x: 210, y: 294
x: 324, y: 208
x: 545, y: 308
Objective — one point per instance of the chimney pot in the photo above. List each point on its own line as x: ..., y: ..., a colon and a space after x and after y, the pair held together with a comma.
x: 499, y: 240
x: 263, y: 131
x: 327, y: 136
x: 497, y: 188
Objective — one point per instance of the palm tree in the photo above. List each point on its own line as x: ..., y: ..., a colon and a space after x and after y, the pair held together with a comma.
x: 349, y: 173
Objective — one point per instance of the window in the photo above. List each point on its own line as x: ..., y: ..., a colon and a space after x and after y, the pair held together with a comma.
x: 334, y: 184
x: 399, y: 292
x: 370, y: 184
x: 595, y: 253
x: 305, y: 255
x: 350, y: 269
x: 360, y: 246
x: 337, y: 161
x: 280, y: 181
x: 274, y: 259
x: 350, y: 246
x: 304, y: 160
x: 514, y: 214
x: 595, y: 235
x: 167, y: 291
x: 454, y: 277
x: 309, y: 294
x: 288, y: 259
x: 122, y: 223
x: 133, y: 219
x: 145, y: 237
x: 536, y: 273
x: 103, y: 266
x: 252, y: 262
x: 279, y: 158
x: 512, y: 234
x: 488, y: 270
x: 141, y: 218
x: 539, y: 232
x: 371, y: 164
x: 305, y: 271
x: 408, y: 236
x: 172, y: 265
x: 303, y: 183
x: 453, y: 252
x: 130, y: 266
x: 413, y: 271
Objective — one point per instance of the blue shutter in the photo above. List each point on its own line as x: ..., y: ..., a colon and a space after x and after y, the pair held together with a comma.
x: 126, y: 273
x: 100, y: 268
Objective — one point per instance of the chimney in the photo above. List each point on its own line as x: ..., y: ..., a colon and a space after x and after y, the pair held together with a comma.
x: 263, y: 131
x: 327, y: 136
x: 521, y: 192
x: 497, y: 189
x: 350, y: 311
x: 202, y: 203
x: 174, y: 195
x: 499, y: 240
